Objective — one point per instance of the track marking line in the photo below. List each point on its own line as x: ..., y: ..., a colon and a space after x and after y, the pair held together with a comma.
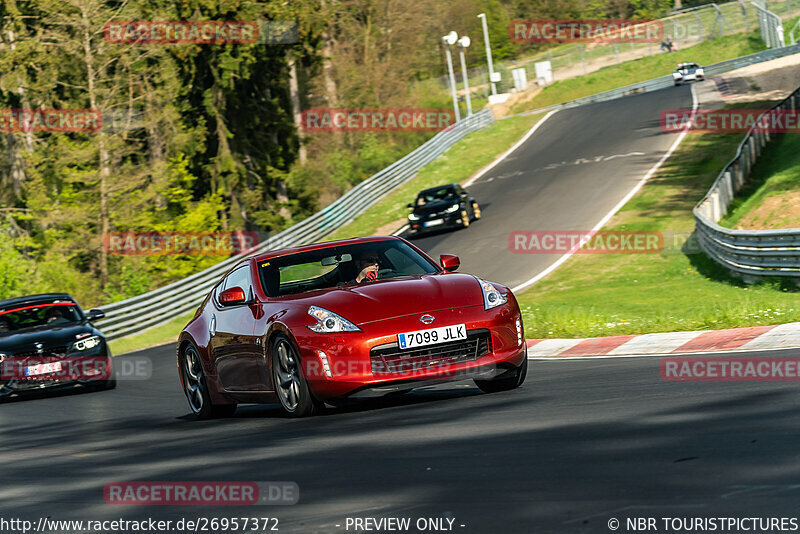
x: 505, y: 154
x: 555, y: 265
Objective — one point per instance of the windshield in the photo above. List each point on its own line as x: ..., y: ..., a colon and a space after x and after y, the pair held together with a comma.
x: 434, y: 195
x: 49, y: 314
x: 341, y: 266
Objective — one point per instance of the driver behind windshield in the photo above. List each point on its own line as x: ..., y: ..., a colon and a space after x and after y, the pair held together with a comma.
x: 367, y: 266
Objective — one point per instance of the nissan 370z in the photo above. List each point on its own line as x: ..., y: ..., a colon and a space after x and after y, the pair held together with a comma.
x: 362, y: 317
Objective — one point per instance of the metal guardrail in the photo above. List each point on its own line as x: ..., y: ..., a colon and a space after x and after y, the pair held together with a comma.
x: 750, y: 254
x: 666, y: 81
x: 770, y: 24
x: 164, y: 304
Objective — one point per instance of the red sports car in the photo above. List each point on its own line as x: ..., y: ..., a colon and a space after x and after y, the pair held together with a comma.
x: 360, y: 317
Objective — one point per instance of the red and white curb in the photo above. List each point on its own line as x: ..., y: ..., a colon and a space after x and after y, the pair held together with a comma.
x: 784, y: 336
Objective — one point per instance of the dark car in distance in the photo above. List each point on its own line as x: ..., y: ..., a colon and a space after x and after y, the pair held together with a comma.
x: 445, y: 206
x: 47, y: 341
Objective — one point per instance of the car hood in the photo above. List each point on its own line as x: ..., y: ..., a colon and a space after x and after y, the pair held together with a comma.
x: 25, y: 340
x: 433, y: 207
x: 387, y: 299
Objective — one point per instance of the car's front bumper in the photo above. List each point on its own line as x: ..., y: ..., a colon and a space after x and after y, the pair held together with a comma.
x: 337, y: 365
x: 431, y: 224
x: 72, y: 369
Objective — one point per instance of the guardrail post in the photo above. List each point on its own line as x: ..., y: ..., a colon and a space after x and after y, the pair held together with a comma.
x: 746, y: 158
x: 715, y: 211
x: 737, y: 172
x: 731, y: 188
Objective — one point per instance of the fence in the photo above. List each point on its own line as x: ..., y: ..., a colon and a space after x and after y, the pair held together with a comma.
x: 750, y: 254
x: 164, y: 304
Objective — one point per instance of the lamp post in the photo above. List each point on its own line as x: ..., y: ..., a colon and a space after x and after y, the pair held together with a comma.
x: 463, y: 43
x: 482, y: 16
x: 449, y: 40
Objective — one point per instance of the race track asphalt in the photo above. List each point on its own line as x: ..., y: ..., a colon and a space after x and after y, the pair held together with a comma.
x: 566, y: 176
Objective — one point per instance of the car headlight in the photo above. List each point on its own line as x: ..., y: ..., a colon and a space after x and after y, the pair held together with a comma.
x: 412, y: 217
x: 329, y: 322
x: 491, y: 296
x: 452, y: 208
x: 86, y: 343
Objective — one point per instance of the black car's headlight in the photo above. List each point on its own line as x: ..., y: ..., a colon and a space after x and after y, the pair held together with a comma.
x: 491, y: 296
x: 452, y: 208
x: 86, y: 343
x: 413, y: 217
x: 329, y: 322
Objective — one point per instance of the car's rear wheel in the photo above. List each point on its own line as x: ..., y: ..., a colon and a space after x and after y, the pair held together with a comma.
x: 476, y: 211
x: 464, y: 218
x: 509, y: 380
x: 196, y: 387
x: 290, y: 384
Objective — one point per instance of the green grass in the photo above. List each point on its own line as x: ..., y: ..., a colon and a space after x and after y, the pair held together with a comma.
x: 775, y: 173
x: 612, y: 294
x: 465, y: 158
x: 642, y: 69
x: 152, y: 337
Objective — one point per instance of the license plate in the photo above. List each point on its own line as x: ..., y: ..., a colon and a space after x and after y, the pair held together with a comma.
x: 434, y: 222
x: 432, y: 336
x: 43, y: 369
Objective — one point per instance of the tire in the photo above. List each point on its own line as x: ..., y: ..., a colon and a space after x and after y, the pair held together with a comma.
x: 510, y: 380
x: 464, y: 218
x: 291, y: 387
x: 195, y: 387
x: 476, y: 211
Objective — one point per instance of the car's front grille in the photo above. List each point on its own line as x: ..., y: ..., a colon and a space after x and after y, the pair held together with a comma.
x: 390, y: 358
x: 50, y: 351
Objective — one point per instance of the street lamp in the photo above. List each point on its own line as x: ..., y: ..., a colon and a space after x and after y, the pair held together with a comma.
x: 482, y: 16
x: 449, y: 40
x: 463, y: 43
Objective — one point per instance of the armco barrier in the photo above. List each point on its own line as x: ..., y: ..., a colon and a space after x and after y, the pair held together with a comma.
x: 164, y: 304
x: 750, y: 254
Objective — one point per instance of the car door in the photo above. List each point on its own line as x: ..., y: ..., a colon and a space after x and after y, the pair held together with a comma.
x: 237, y: 353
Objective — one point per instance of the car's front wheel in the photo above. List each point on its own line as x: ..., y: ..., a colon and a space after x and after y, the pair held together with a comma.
x: 509, y: 380
x: 196, y: 387
x: 476, y: 211
x: 291, y: 386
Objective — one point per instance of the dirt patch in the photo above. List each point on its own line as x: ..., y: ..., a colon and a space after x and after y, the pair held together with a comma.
x: 504, y: 109
x: 777, y: 211
x: 390, y: 228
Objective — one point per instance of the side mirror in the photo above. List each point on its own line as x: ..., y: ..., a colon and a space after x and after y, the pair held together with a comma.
x: 410, y: 205
x: 450, y: 262
x: 95, y: 314
x: 232, y: 296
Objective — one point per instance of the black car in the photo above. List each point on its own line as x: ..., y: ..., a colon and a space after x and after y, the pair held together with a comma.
x: 445, y: 206
x: 47, y: 341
